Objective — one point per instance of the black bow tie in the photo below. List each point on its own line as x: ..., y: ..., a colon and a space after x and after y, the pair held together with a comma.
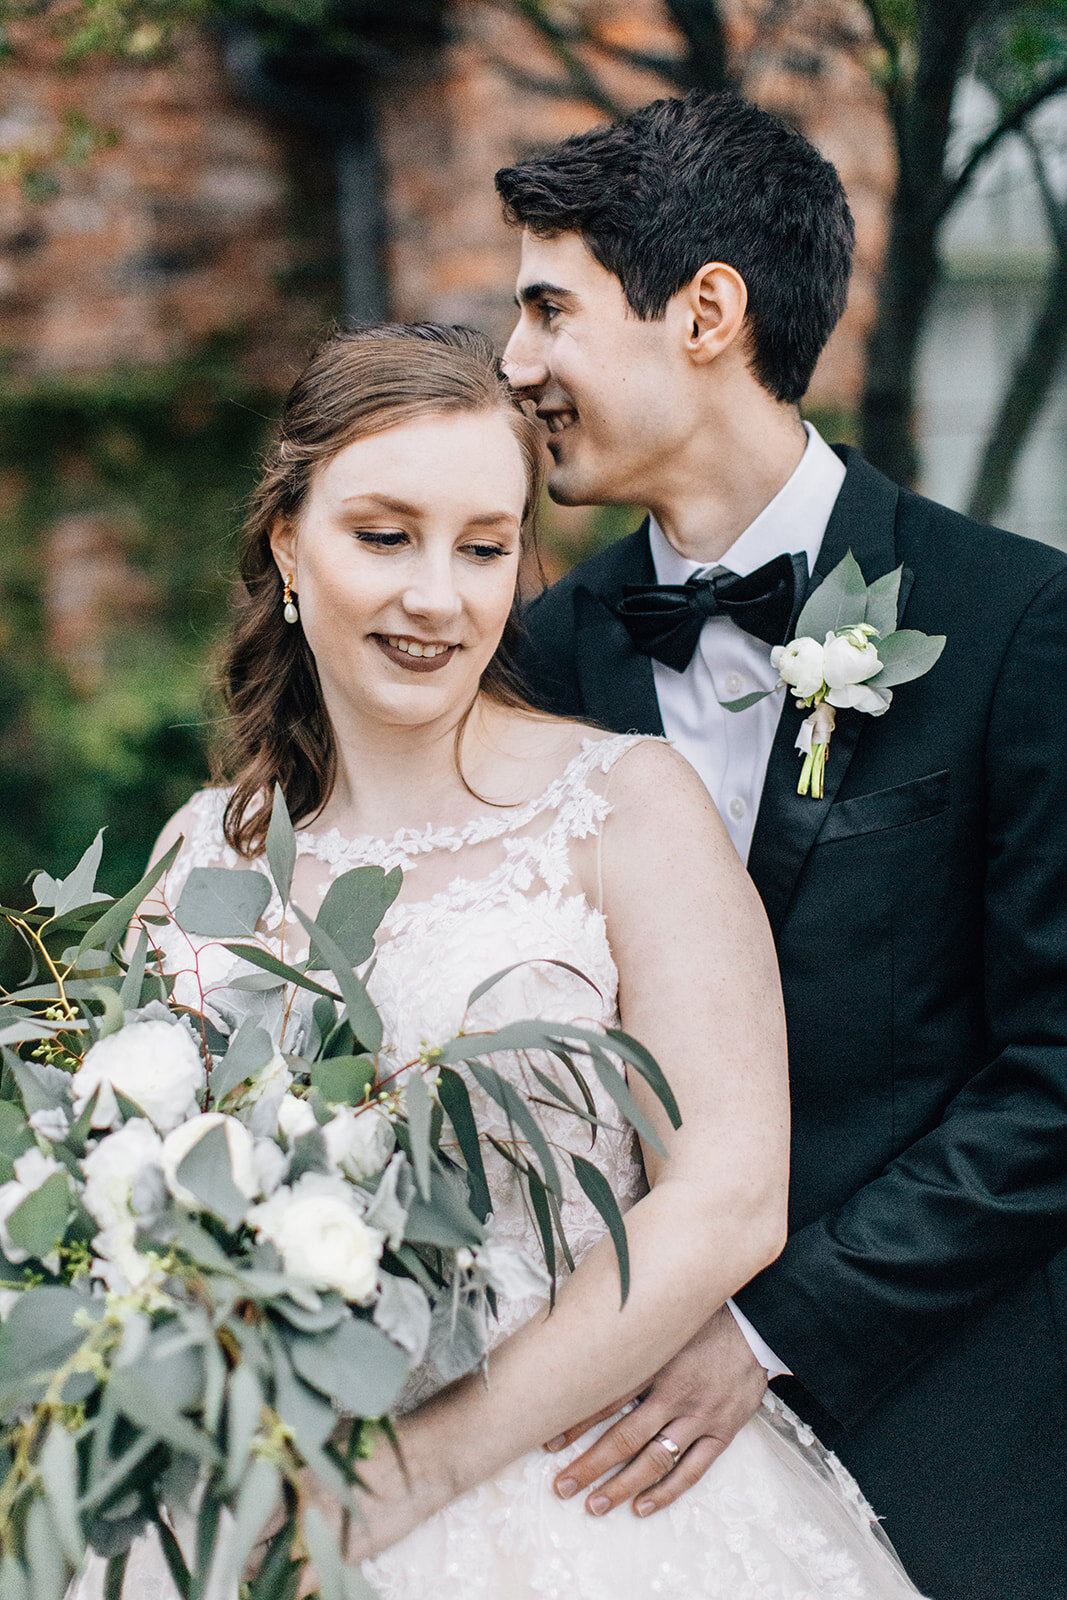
x: 664, y: 620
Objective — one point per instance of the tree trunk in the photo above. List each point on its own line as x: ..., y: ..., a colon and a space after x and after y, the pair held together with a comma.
x: 1027, y: 392
x: 700, y: 24
x: 921, y: 115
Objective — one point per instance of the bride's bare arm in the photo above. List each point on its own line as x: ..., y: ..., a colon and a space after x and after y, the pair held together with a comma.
x: 698, y: 985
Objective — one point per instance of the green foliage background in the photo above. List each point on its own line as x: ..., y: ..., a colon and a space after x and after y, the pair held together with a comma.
x: 169, y: 455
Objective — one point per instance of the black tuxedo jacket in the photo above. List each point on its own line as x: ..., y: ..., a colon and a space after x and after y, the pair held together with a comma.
x: 920, y: 916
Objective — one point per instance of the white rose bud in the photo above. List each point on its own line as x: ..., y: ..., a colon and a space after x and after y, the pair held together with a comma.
x: 295, y: 1117
x: 850, y: 658
x: 321, y: 1236
x: 32, y: 1169
x: 359, y: 1143
x: 179, y: 1142
x: 155, y: 1064
x: 800, y: 665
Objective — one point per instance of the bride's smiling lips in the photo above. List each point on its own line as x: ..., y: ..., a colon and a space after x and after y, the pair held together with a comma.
x: 415, y: 655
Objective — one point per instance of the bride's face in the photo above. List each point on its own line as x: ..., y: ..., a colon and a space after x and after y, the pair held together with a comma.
x: 405, y: 558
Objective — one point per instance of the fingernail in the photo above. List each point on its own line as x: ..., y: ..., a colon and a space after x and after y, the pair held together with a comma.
x: 599, y: 1504
x: 565, y: 1488
x: 644, y: 1508
x: 557, y: 1443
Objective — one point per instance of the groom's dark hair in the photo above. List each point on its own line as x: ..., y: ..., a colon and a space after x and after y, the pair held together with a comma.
x: 709, y: 177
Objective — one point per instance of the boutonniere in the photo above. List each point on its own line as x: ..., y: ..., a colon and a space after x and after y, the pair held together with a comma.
x: 862, y: 656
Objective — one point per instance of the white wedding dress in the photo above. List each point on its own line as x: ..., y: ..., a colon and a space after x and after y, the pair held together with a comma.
x: 777, y: 1517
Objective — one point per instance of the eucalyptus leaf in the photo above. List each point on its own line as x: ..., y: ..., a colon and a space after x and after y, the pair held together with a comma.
x: 403, y: 1311
x: 16, y: 1135
x: 38, y: 1335
x: 311, y: 1417
x: 108, y: 929
x: 244, y: 1403
x: 325, y: 1556
x: 14, y: 1583
x: 906, y: 655
x: 130, y: 993
x: 366, y: 1023
x: 355, y: 1364
x: 746, y: 700
x: 445, y: 1219
x: 44, y: 1553
x: 39, y: 1223
x: 352, y: 910
x: 207, y: 1172
x: 840, y: 601
x: 135, y: 1395
x: 24, y: 1031
x: 58, y: 1464
x: 270, y: 963
x: 218, y: 902
x: 615, y: 1084
x: 418, y: 1106
x: 343, y: 1080
x: 113, y: 1015
x: 281, y: 846
x: 882, y: 598
x: 551, y: 961
x: 78, y: 888
x: 455, y: 1099
x: 598, y: 1190
x: 509, y: 1099
x: 257, y: 1498
x: 251, y: 1048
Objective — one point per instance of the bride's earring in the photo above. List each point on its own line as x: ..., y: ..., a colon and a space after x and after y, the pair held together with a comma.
x: 289, y: 611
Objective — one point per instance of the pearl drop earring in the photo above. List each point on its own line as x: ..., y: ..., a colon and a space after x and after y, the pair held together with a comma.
x: 289, y: 611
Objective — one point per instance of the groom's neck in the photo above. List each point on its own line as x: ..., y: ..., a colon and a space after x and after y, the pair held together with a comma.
x: 742, y: 452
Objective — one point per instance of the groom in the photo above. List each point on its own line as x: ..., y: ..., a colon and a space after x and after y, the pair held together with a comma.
x: 680, y: 273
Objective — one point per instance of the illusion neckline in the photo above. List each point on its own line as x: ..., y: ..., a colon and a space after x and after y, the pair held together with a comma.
x: 421, y: 841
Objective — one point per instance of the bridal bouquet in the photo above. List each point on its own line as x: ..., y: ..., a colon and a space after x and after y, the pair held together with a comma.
x: 219, y: 1262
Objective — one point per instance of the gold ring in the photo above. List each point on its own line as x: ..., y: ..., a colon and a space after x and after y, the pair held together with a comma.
x: 672, y: 1449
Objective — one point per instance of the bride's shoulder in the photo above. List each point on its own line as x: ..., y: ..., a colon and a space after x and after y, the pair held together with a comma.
x: 197, y: 825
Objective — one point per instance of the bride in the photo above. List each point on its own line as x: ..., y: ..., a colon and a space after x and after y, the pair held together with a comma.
x: 367, y: 675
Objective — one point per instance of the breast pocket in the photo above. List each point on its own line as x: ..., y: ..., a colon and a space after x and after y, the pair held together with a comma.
x: 887, y: 808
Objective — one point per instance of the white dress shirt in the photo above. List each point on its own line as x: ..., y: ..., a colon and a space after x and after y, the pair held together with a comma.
x: 729, y: 749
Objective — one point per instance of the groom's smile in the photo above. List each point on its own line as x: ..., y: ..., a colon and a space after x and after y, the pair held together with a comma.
x: 600, y: 378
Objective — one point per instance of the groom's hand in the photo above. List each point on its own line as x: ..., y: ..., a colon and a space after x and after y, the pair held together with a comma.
x: 698, y: 1401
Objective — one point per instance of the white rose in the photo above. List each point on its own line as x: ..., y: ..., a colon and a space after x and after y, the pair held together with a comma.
x: 112, y: 1167
x: 32, y: 1169
x: 321, y: 1236
x: 180, y: 1140
x: 121, y: 1265
x: 862, y: 698
x: 800, y: 665
x: 295, y: 1117
x: 359, y: 1143
x: 155, y: 1064
x: 849, y: 658
x: 271, y: 1163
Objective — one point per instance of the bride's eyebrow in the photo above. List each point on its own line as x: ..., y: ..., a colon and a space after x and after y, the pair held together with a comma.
x: 383, y: 502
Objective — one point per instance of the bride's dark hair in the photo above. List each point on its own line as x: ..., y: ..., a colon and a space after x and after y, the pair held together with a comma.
x: 356, y: 384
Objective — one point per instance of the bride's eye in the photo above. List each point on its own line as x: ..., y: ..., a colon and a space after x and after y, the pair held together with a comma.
x: 381, y: 538
x: 485, y: 552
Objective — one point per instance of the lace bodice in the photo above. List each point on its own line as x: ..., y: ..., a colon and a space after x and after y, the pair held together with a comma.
x: 504, y: 891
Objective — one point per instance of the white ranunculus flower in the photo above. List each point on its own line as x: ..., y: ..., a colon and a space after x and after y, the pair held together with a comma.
x: 271, y: 1164
x: 861, y: 698
x: 359, y: 1143
x: 112, y: 1167
x: 180, y: 1140
x: 121, y: 1265
x: 155, y: 1064
x: 321, y: 1236
x: 295, y: 1117
x: 849, y: 658
x: 32, y: 1169
x: 800, y: 665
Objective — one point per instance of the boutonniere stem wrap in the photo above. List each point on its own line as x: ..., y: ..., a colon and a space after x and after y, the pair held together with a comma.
x: 847, y: 654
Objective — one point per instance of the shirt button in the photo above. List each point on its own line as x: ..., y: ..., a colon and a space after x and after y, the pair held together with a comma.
x: 737, y: 807
x: 734, y: 683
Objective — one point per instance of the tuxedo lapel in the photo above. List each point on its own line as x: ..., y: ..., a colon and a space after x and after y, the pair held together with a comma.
x: 616, y: 680
x: 787, y: 824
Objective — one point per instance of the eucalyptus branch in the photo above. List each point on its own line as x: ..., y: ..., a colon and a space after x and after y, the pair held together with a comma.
x: 1055, y: 208
x: 33, y: 935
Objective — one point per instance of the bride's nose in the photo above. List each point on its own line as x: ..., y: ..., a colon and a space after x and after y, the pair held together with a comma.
x: 431, y: 591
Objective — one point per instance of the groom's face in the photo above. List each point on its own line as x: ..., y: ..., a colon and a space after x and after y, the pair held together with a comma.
x: 609, y: 388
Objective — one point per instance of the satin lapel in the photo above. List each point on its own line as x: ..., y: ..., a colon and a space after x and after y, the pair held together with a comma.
x: 787, y: 824
x: 618, y: 689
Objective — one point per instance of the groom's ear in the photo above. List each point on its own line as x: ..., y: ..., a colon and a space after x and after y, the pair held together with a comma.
x: 714, y: 303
